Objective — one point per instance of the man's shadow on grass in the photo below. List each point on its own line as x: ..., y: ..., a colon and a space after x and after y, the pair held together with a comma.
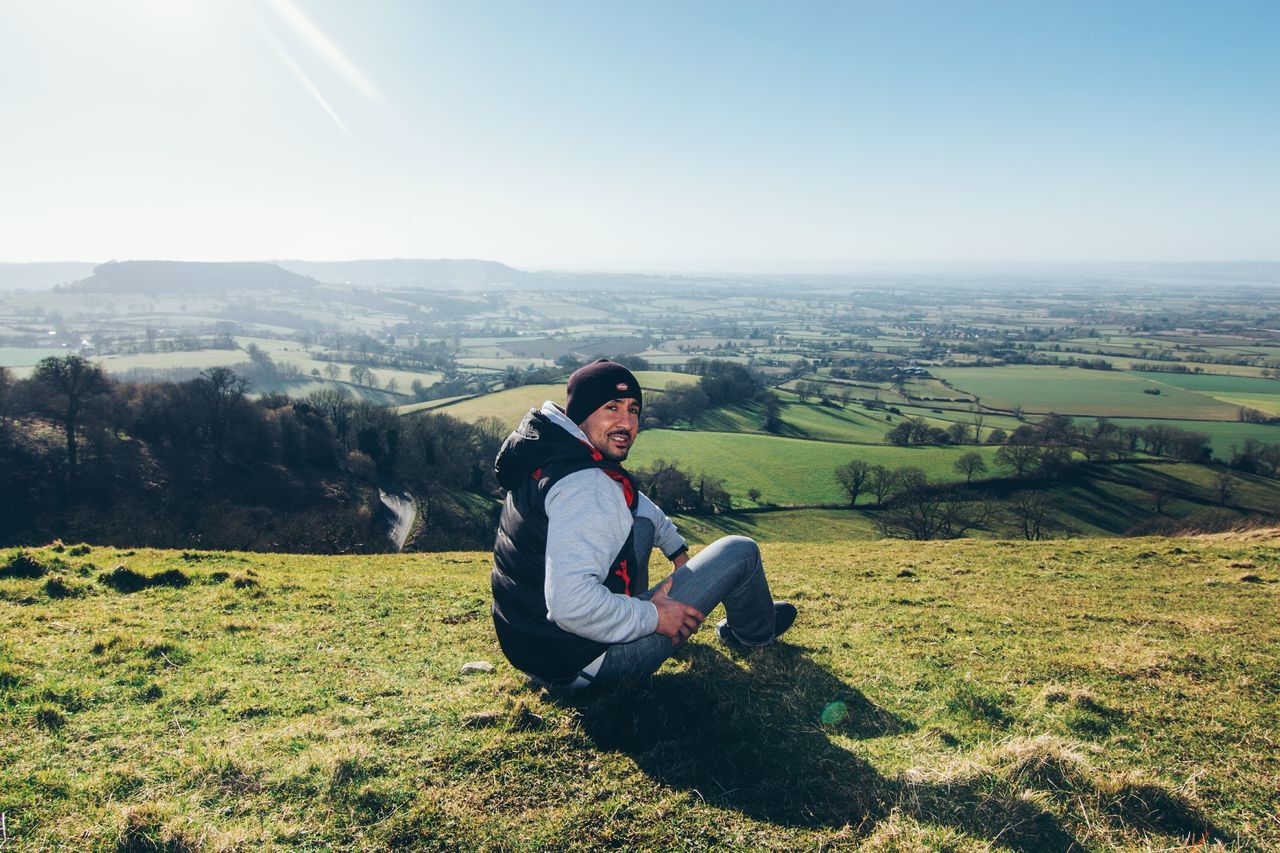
x: 752, y: 738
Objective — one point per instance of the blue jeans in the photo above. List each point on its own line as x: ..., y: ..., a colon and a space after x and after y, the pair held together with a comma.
x: 727, y: 571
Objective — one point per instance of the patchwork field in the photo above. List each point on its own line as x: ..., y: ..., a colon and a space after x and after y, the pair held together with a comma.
x: 787, y: 471
x: 1074, y: 391
x: 1050, y: 696
x: 1256, y: 393
x: 1222, y: 434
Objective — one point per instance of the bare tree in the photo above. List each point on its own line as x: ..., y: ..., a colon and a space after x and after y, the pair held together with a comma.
x: 971, y: 463
x: 880, y: 482
x: 924, y: 511
x: 1160, y: 495
x: 1031, y: 512
x: 219, y: 390
x: 1224, y: 486
x: 6, y: 383
x: 852, y: 477
x: 64, y: 386
x: 977, y: 419
x: 1022, y: 458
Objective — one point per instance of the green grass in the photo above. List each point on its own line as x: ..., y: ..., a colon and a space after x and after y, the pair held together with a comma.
x: 511, y: 404
x: 1114, y: 499
x: 1222, y: 434
x: 1074, y: 391
x: 1257, y: 393
x: 787, y: 525
x: 27, y: 356
x: 800, y: 420
x: 1110, y: 694
x: 787, y: 471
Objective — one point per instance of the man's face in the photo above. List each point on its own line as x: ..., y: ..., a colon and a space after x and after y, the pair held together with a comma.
x: 612, y: 428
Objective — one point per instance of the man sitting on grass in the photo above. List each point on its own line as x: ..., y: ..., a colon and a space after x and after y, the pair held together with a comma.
x: 571, y: 602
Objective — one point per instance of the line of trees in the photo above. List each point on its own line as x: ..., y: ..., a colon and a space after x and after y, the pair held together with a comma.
x: 201, y: 463
x: 719, y: 383
x: 678, y: 490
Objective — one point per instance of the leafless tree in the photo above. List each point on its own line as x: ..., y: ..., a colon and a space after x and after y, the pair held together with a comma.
x: 1022, y: 458
x: 64, y: 387
x: 1224, y: 486
x: 1031, y: 512
x: 852, y: 477
x: 881, y: 482
x: 971, y: 463
x: 922, y: 511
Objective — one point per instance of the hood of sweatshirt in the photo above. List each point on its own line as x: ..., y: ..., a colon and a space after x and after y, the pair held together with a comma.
x: 544, y: 436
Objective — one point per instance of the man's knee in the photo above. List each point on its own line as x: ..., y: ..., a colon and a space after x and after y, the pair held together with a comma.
x: 740, y: 547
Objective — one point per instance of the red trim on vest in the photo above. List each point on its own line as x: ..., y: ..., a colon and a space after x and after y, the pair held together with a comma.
x: 626, y: 578
x: 628, y: 492
x: 537, y: 474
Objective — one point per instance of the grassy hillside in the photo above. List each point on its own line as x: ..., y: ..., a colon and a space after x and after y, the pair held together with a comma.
x: 511, y: 405
x: 958, y: 695
x: 787, y: 471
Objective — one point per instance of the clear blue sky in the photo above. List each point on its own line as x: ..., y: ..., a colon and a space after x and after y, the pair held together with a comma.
x: 699, y: 134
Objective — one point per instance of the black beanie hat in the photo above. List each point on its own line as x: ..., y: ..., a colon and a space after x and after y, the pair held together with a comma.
x: 595, y: 384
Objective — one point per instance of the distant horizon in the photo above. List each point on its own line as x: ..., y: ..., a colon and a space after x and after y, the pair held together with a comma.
x: 812, y: 266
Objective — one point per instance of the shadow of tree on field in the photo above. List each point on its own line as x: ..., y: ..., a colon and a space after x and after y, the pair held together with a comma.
x: 754, y: 740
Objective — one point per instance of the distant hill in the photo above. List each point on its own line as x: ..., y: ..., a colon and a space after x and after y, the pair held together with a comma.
x: 191, y: 278
x: 444, y: 273
x: 41, y: 276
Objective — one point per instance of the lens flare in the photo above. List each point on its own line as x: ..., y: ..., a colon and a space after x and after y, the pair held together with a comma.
x: 834, y: 713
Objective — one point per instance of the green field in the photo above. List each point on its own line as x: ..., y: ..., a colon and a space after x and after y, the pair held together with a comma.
x: 510, y: 405
x: 786, y: 525
x: 1075, y: 391
x: 1222, y: 434
x: 1256, y: 393
x: 20, y: 359
x: 800, y: 420
x: 1108, y: 694
x: 787, y: 471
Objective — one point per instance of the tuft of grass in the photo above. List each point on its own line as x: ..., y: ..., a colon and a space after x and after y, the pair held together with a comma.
x: 151, y: 827
x: 125, y: 580
x: 11, y: 677
x: 1155, y: 807
x: 56, y: 586
x: 49, y: 717
x: 22, y: 565
x: 978, y: 703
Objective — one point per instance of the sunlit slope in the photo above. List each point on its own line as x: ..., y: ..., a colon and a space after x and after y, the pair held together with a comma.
x: 787, y: 471
x: 510, y: 405
x: 958, y: 695
x: 1075, y: 391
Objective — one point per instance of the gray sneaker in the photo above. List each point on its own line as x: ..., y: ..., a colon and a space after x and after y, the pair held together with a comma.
x: 784, y: 616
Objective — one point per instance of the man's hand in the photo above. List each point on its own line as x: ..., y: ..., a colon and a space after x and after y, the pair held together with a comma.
x: 676, y: 619
x: 680, y: 560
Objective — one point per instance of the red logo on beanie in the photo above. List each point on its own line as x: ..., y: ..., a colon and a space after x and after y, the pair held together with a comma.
x: 622, y: 386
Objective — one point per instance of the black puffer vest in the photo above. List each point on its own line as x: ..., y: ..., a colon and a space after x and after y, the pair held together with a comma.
x: 532, y: 460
